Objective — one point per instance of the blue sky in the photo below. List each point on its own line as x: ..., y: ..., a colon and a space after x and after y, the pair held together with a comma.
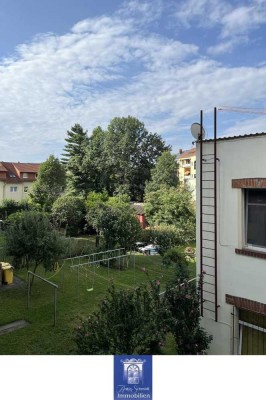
x: 63, y: 62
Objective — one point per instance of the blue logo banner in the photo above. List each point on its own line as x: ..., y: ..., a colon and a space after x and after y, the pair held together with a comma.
x: 132, y: 377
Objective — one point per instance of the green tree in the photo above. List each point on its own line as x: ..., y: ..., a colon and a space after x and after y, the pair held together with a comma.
x: 69, y: 212
x: 49, y: 185
x: 169, y: 205
x: 164, y: 173
x: 31, y: 240
x: 117, y: 225
x: 183, y: 302
x: 121, y: 158
x: 74, y: 158
x: 128, y: 322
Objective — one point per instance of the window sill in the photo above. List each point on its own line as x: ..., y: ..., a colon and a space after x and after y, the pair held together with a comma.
x: 251, y: 253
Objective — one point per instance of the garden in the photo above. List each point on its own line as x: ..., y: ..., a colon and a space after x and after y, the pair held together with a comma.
x: 74, y: 301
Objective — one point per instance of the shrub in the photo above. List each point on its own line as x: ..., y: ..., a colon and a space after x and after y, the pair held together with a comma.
x: 128, y: 322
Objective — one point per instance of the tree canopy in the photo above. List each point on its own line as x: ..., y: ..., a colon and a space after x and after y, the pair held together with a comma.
x: 50, y: 183
x: 164, y: 173
x: 32, y: 241
x: 74, y: 158
x: 118, y: 159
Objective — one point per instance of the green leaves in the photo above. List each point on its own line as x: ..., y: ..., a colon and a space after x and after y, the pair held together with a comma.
x: 128, y: 322
x: 31, y: 240
x: 50, y: 183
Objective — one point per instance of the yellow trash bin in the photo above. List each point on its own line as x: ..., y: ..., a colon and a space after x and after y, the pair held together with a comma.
x: 7, y: 273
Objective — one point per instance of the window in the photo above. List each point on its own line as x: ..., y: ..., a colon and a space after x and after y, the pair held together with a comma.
x: 12, y: 175
x: 194, y: 164
x: 13, y: 189
x: 256, y: 217
x: 25, y: 175
x: 26, y: 188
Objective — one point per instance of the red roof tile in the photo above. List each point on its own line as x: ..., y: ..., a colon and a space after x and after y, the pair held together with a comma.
x: 188, y: 153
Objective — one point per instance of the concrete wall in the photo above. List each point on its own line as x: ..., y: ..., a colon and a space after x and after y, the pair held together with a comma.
x: 238, y: 275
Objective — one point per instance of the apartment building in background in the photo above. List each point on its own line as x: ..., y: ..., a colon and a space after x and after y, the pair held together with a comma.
x: 16, y: 179
x: 187, y: 169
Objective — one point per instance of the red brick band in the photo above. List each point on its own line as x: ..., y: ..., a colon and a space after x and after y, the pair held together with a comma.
x: 251, y: 253
x: 246, y: 304
x: 249, y: 183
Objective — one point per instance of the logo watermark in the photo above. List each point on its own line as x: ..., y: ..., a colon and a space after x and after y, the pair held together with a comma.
x: 132, y: 377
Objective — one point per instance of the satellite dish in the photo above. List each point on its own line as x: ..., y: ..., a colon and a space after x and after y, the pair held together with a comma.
x: 195, y: 130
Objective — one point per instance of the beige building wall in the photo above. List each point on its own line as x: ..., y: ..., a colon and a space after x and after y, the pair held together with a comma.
x: 14, y: 191
x: 239, y: 275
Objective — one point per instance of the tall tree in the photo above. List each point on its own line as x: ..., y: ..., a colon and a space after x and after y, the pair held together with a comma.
x: 50, y: 183
x: 74, y: 158
x: 131, y: 153
x: 164, y: 173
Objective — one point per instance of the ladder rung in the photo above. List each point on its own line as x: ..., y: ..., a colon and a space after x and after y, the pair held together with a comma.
x: 207, y: 205
x: 207, y: 172
x: 209, y: 274
x: 207, y: 214
x: 209, y: 301
x: 208, y: 257
x: 206, y: 291
x: 207, y: 180
x: 206, y: 222
x: 206, y: 283
x: 208, y: 162
x: 207, y: 248
x: 210, y: 266
x: 204, y: 308
x: 208, y: 197
x: 208, y: 240
x: 210, y: 154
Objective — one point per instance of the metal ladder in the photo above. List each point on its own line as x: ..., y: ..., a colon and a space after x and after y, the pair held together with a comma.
x: 208, y: 224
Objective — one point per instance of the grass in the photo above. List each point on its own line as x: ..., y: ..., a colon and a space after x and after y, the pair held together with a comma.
x: 74, y: 302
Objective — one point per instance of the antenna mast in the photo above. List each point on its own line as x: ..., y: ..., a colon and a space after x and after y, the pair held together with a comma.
x: 259, y: 111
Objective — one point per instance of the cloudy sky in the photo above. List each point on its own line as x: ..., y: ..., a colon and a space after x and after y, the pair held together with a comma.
x: 85, y: 61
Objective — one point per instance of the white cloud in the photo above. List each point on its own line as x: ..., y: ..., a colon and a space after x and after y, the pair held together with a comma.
x: 235, y: 23
x: 107, y: 67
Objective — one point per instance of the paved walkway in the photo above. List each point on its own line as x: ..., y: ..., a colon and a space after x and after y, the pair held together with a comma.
x: 13, y: 326
x: 17, y: 283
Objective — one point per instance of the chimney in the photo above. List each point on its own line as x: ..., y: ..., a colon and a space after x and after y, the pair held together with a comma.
x: 180, y: 151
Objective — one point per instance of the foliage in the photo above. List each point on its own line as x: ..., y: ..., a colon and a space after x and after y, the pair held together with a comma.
x: 74, y: 158
x: 10, y: 206
x: 128, y: 322
x: 68, y: 211
x: 120, y: 159
x: 49, y: 185
x: 169, y: 205
x: 31, y: 240
x: 164, y: 173
x: 168, y: 236
x: 94, y: 199
x: 118, y: 225
x: 183, y: 303
x: 175, y: 258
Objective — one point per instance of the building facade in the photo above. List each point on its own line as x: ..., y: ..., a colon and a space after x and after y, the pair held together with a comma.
x: 16, y: 180
x: 237, y: 280
x: 187, y: 169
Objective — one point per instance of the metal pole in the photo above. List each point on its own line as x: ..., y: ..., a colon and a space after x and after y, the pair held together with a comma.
x: 78, y: 280
x: 55, y: 300
x: 201, y: 210
x: 28, y: 290
x: 215, y: 212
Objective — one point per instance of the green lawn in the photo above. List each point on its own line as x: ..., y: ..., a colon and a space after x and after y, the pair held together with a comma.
x: 74, y: 302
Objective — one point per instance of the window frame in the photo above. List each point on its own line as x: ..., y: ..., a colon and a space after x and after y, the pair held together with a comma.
x: 13, y: 187
x: 246, y: 204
